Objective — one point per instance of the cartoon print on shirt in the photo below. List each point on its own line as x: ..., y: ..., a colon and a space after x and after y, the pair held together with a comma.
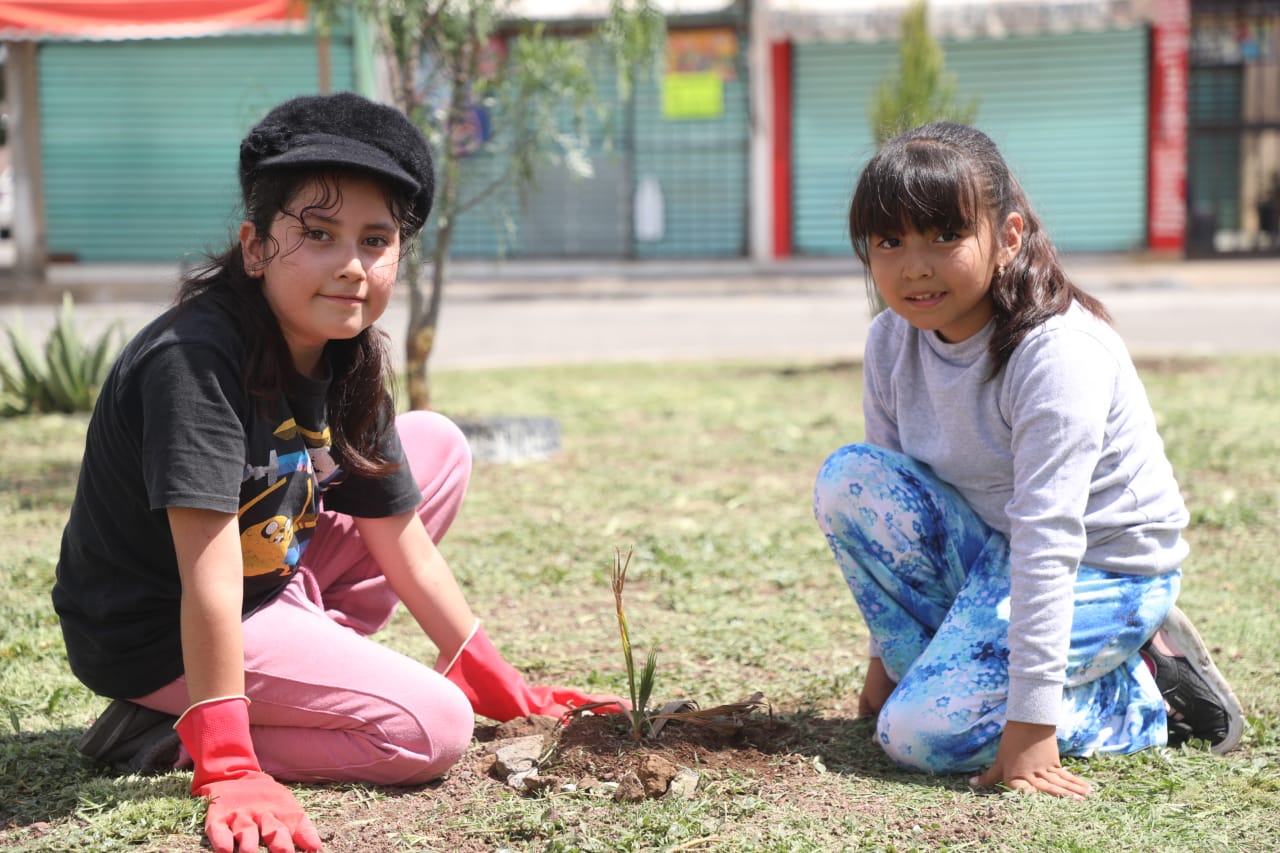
x: 268, y: 471
x: 271, y: 545
x: 279, y: 500
x: 320, y: 447
x: 322, y: 462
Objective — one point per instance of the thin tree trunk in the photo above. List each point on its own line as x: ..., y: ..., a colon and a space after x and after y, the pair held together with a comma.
x: 415, y: 355
x: 324, y: 64
x: 424, y: 318
x: 424, y: 308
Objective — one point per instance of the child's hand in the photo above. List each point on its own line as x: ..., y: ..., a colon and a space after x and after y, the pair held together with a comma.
x: 255, y: 809
x: 246, y: 806
x: 1028, y: 761
x: 498, y: 691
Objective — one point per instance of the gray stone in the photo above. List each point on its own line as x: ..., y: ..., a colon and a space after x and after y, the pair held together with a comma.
x: 517, y: 756
x: 630, y: 789
x: 523, y: 780
x: 683, y: 785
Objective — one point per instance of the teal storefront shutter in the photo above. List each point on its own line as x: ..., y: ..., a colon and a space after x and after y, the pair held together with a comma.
x: 699, y: 167
x: 140, y: 138
x: 1069, y: 112
x: 564, y: 214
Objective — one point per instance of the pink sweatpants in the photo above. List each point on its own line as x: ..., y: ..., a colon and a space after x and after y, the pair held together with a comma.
x: 328, y: 703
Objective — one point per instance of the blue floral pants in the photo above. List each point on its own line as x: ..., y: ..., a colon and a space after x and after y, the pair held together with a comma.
x: 932, y: 581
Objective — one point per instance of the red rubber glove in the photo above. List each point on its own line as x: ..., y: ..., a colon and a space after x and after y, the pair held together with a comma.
x: 245, y: 804
x: 498, y: 691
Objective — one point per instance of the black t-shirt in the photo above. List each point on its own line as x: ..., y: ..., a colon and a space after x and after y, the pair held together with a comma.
x: 173, y: 428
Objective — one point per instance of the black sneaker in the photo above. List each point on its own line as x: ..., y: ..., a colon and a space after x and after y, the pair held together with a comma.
x: 132, y: 739
x: 1200, y: 703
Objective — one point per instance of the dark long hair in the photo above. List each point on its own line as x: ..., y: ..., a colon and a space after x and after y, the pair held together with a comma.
x: 359, y: 402
x: 944, y: 175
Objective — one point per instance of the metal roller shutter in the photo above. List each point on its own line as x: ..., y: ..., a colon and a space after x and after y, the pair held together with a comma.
x: 1068, y: 111
x: 140, y: 138
x: 564, y: 214
x: 699, y: 166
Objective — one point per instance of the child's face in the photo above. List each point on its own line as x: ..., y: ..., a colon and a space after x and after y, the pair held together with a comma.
x: 335, y: 269
x: 941, y: 281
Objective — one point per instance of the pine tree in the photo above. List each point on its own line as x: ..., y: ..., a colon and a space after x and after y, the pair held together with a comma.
x: 921, y: 91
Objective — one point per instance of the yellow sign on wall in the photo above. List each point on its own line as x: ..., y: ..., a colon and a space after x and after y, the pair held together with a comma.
x: 696, y: 95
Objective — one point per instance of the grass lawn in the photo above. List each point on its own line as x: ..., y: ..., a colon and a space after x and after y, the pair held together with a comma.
x: 706, y: 472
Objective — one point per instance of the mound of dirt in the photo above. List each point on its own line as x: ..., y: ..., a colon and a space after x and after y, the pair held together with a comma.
x: 593, y: 757
x: 602, y: 751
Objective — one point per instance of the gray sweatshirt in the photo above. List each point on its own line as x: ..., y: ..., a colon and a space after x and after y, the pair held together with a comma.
x: 1059, y: 452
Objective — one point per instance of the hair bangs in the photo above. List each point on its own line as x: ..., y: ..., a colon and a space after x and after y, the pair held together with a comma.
x: 916, y: 186
x: 328, y: 197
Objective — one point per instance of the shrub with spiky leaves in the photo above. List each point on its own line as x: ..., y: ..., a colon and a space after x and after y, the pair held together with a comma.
x: 65, y: 378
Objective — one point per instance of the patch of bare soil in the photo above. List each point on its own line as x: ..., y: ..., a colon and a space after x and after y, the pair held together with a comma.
x: 592, y: 757
x: 593, y: 771
x: 799, y: 760
x: 603, y: 748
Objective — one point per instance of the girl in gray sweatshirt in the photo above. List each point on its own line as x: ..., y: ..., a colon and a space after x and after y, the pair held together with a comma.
x: 1011, y: 528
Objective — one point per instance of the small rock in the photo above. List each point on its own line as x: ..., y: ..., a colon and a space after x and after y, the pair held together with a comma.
x: 630, y: 789
x: 534, y: 783
x: 516, y: 756
x: 586, y: 783
x: 521, y: 780
x: 683, y: 785
x: 655, y: 773
x: 484, y: 764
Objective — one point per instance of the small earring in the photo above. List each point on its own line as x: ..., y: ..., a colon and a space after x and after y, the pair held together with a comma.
x: 1000, y: 271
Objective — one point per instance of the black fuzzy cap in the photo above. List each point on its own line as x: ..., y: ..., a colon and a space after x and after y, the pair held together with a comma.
x: 342, y: 130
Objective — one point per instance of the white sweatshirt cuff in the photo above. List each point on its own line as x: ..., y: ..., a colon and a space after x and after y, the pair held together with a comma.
x: 1033, y: 701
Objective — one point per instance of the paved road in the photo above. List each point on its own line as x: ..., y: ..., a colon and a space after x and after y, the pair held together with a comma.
x: 527, y: 314
x: 818, y: 323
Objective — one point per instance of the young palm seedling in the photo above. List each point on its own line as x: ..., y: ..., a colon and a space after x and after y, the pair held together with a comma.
x: 723, y: 718
x: 641, y: 688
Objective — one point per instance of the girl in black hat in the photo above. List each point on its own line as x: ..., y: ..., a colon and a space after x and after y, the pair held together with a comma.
x: 250, y: 508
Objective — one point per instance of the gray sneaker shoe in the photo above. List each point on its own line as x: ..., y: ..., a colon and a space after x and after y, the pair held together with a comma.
x: 130, y: 738
x: 1201, y: 705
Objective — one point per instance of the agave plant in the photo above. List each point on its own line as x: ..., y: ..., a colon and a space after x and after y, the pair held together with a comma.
x: 68, y: 376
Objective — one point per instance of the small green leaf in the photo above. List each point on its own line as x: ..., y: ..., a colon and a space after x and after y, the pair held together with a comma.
x: 647, y: 678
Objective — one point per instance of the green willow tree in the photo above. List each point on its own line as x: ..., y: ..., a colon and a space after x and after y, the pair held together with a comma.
x: 457, y: 67
x: 921, y: 90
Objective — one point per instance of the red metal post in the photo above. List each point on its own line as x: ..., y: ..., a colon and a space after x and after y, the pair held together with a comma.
x: 781, y: 54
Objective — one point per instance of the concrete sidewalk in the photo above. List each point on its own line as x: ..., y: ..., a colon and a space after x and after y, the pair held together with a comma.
x: 554, y: 312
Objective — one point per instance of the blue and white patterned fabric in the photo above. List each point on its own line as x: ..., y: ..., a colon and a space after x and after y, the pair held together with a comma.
x: 933, y: 580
